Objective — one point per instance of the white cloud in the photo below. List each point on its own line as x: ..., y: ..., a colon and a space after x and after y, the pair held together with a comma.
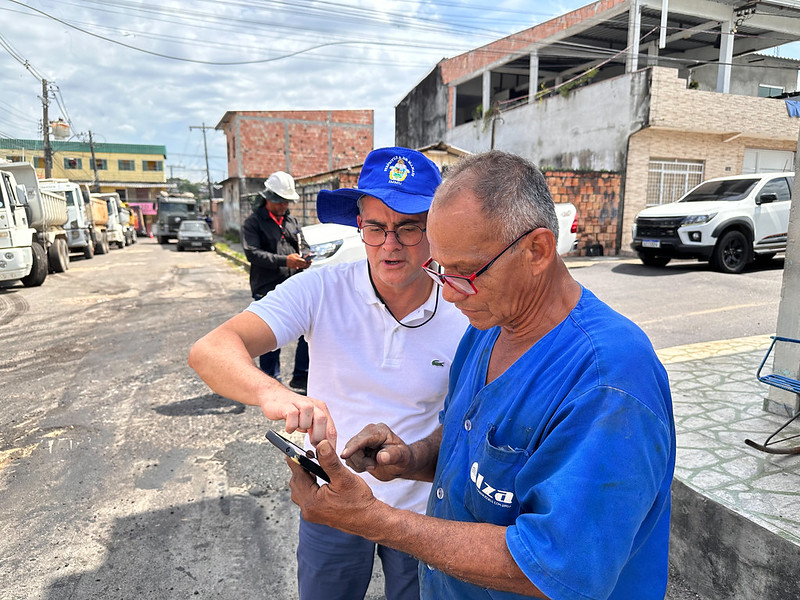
x: 127, y: 96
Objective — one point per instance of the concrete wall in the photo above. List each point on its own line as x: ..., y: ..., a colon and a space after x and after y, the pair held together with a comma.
x: 748, y: 72
x: 587, y: 130
x: 421, y: 117
x: 725, y: 556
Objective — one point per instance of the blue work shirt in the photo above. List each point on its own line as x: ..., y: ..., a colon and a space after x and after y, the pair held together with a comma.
x: 572, y: 449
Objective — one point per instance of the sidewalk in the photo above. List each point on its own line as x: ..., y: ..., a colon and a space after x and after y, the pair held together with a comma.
x: 736, y: 511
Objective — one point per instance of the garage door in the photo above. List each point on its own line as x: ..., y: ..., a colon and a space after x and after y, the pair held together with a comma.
x: 767, y: 161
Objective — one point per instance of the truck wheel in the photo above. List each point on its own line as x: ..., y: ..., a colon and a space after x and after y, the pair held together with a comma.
x: 39, y: 269
x: 58, y: 256
x: 101, y: 243
x: 88, y: 251
x: 651, y: 260
x: 732, y: 252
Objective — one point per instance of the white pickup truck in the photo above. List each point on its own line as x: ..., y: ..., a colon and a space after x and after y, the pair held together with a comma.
x: 728, y: 221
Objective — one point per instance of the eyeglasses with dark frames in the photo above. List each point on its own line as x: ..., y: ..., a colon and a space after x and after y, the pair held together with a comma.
x: 463, y: 284
x: 406, y: 235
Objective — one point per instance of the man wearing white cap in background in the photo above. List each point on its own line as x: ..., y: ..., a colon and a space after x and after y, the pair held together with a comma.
x: 274, y: 246
x: 381, y: 344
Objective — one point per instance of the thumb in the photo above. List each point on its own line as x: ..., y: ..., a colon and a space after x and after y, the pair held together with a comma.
x: 326, y: 455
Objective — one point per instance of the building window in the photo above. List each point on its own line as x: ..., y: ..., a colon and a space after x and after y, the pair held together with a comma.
x: 101, y: 164
x: 769, y: 91
x: 152, y: 165
x: 15, y: 158
x: 73, y: 163
x: 669, y: 179
x: 126, y: 165
x: 38, y: 162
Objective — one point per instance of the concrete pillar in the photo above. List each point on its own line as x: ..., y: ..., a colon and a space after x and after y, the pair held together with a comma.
x: 453, y: 104
x: 634, y: 33
x: 533, y: 77
x: 487, y: 91
x: 652, y: 55
x: 725, y: 56
x: 787, y: 356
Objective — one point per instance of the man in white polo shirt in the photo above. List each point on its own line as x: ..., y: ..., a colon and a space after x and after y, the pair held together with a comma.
x: 381, y: 341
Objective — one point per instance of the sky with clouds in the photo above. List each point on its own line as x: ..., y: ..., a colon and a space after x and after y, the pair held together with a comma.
x: 145, y: 72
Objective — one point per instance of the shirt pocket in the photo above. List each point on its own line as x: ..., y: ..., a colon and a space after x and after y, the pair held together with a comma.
x: 490, y: 495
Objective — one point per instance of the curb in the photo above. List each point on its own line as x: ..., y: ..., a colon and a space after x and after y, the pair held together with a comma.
x: 233, y: 258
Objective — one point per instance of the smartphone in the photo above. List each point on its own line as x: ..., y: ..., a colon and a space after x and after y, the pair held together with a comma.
x: 297, y: 454
x: 309, y: 257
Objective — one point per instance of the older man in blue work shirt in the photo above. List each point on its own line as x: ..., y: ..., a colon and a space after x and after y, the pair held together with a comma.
x: 552, y: 465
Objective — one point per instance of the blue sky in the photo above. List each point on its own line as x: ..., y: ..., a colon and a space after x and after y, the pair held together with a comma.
x: 139, y: 71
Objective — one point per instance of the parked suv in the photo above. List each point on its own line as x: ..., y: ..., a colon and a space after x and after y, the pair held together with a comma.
x: 728, y: 221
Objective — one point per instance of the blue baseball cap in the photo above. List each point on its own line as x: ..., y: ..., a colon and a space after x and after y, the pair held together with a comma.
x: 404, y: 180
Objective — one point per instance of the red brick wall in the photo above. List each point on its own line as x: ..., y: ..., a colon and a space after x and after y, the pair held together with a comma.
x: 300, y: 142
x: 596, y: 197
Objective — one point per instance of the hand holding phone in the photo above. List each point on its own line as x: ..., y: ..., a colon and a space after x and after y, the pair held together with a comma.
x: 297, y: 454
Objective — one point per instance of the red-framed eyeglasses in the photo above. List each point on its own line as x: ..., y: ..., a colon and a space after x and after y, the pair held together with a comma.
x: 463, y: 283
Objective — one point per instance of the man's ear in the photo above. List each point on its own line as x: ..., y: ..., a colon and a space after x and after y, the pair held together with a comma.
x: 541, y: 243
x: 358, y: 221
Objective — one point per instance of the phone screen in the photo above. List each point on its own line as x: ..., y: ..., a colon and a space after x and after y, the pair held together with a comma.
x: 297, y: 454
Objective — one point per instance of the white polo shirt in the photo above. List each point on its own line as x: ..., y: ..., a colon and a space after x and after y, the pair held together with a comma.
x: 364, y: 365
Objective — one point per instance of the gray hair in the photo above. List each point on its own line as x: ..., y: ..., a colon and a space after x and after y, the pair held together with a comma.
x: 511, y: 190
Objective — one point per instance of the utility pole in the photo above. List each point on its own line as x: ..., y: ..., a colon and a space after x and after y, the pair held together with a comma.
x: 171, y: 172
x: 208, y: 173
x: 96, y: 185
x: 48, y: 152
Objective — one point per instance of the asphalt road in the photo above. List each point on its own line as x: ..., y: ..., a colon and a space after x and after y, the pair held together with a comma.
x: 122, y: 476
x: 687, y: 302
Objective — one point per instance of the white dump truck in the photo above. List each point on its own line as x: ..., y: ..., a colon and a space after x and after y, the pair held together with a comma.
x: 88, y: 217
x: 32, y: 236
x: 119, y: 217
x: 126, y: 220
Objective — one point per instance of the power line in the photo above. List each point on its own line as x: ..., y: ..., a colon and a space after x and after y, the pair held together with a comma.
x: 290, y: 8
x: 16, y: 55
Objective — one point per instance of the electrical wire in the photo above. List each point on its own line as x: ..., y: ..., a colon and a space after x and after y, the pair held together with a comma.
x: 16, y: 55
x: 311, y: 48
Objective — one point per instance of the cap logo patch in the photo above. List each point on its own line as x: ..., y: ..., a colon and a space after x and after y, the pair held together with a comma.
x: 399, y: 168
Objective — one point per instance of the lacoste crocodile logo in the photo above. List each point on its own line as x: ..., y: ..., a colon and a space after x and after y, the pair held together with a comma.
x: 437, y: 363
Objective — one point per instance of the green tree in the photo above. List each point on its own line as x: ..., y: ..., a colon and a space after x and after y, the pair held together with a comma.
x: 184, y: 185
